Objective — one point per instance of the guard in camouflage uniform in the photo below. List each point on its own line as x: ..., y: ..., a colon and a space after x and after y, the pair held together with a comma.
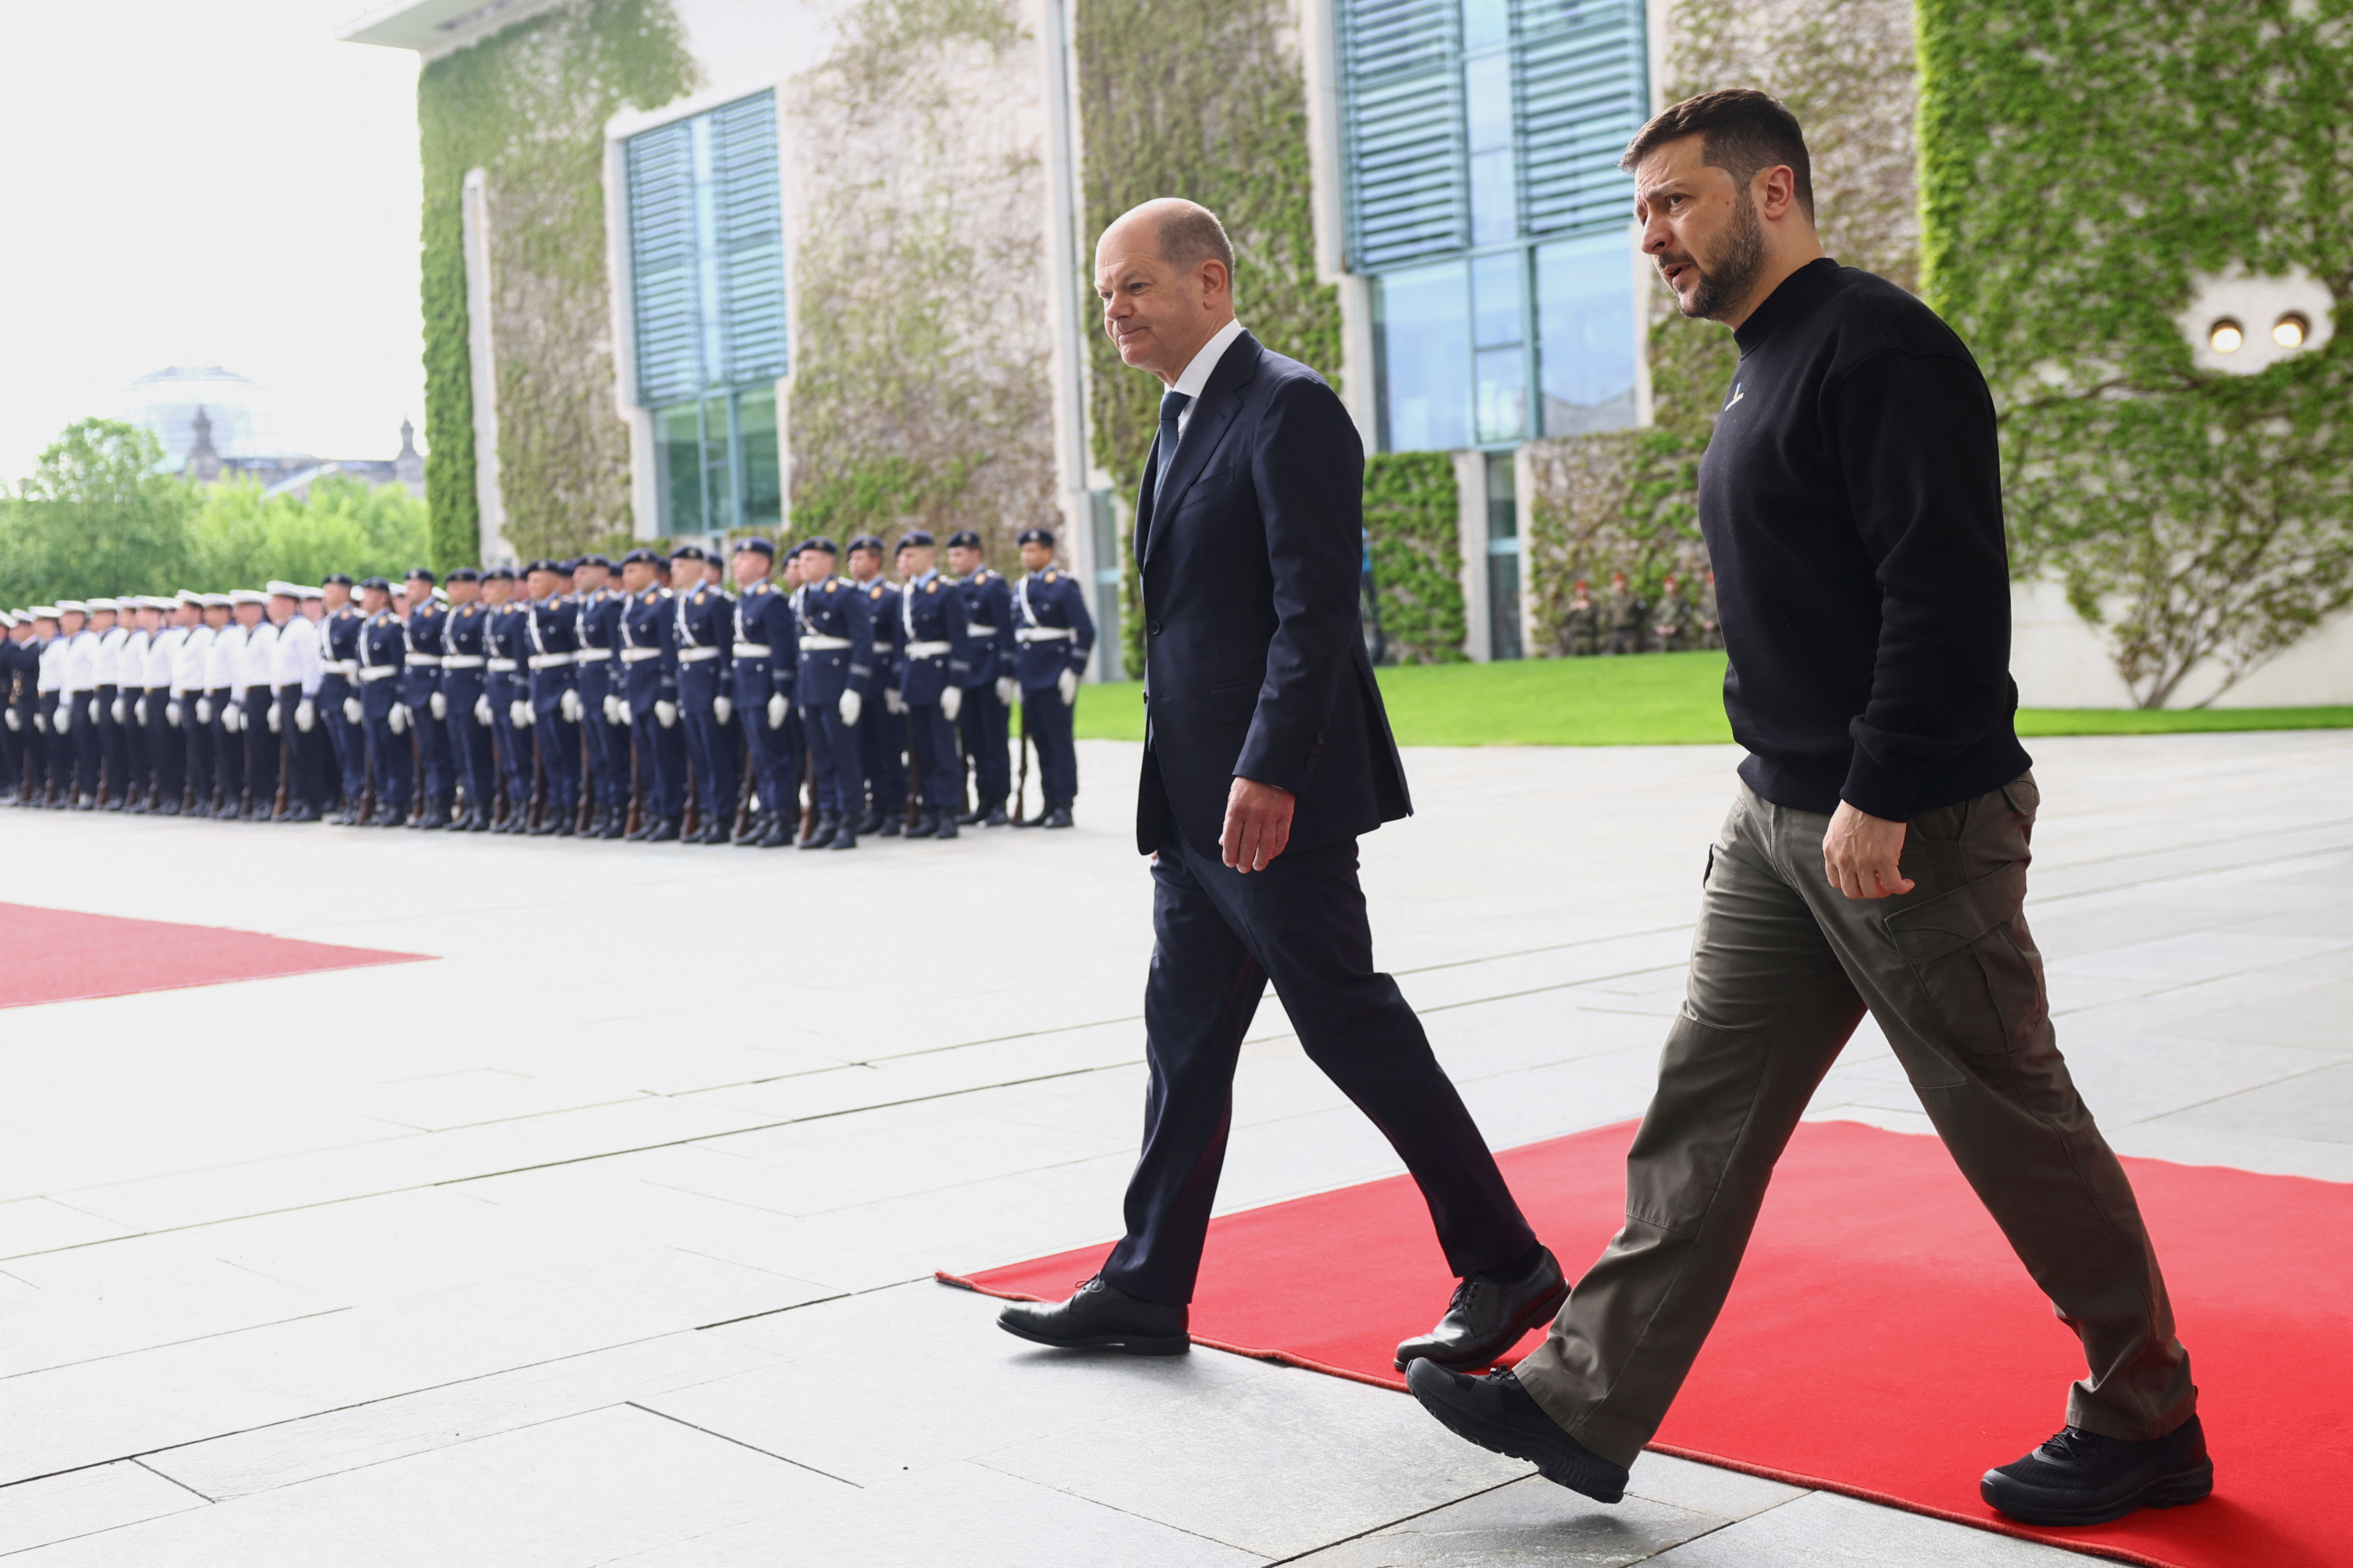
x: 1581, y: 629
x: 1625, y: 618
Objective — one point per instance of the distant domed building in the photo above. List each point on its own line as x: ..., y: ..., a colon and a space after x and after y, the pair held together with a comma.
x: 244, y: 421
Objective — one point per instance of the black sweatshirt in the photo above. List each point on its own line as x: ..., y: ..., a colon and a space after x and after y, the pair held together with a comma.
x: 1851, y: 501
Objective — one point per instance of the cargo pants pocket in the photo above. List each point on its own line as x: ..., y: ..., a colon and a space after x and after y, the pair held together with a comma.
x: 1969, y: 952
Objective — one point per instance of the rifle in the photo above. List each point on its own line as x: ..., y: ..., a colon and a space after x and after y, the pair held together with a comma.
x: 1021, y: 781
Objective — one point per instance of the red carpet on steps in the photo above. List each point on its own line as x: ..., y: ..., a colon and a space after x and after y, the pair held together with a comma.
x: 59, y: 955
x: 1881, y: 1340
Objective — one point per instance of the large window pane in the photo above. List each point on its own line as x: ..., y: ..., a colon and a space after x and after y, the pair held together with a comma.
x: 1494, y: 198
x: 764, y: 491
x: 1487, y: 100
x: 1495, y: 299
x: 718, y: 477
x: 677, y: 459
x: 1502, y: 382
x: 1485, y: 22
x: 1425, y: 327
x: 1584, y: 333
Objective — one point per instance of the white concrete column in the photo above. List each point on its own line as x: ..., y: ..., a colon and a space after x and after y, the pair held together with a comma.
x: 474, y: 220
x: 1470, y: 538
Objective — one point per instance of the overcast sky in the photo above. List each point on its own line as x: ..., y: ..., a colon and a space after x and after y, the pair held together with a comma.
x: 207, y: 184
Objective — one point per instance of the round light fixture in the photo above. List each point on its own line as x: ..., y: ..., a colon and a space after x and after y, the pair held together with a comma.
x: 2225, y: 336
x: 2291, y: 330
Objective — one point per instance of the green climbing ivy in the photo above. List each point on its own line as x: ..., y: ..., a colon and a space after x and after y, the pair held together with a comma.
x: 918, y: 400
x: 1412, y: 511
x: 2083, y: 161
x: 1205, y: 100
x: 529, y: 106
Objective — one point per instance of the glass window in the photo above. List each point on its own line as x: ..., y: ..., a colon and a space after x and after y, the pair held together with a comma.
x: 1485, y: 22
x: 1495, y: 299
x: 1584, y: 333
x: 764, y: 489
x: 1424, y: 347
x: 1487, y: 100
x: 678, y: 459
x: 718, y: 465
x: 1502, y: 556
x: 1502, y: 389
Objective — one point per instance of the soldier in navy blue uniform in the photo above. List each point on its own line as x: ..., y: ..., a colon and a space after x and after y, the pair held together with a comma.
x: 766, y: 645
x: 465, y: 658
x: 931, y: 666
x: 420, y: 685
x: 988, y: 684
x: 837, y: 630
x: 507, y: 694
x: 883, y: 738
x: 1053, y: 636
x: 339, y: 651
x: 649, y: 697
x: 382, y: 714
x: 556, y: 709
x: 703, y: 625
x: 598, y: 627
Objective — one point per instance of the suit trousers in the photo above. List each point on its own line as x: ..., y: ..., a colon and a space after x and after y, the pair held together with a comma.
x: 261, y: 748
x: 774, y: 755
x: 203, y: 751
x: 229, y: 753
x: 89, y: 755
x: 305, y: 779
x: 113, y: 764
x: 982, y: 723
x: 1048, y: 719
x: 557, y: 739
x: 392, y: 763
x: 711, y: 746
x: 1218, y: 936
x: 1783, y: 968
x: 840, y: 784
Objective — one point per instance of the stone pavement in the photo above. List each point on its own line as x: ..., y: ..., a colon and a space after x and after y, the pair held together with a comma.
x: 607, y: 1237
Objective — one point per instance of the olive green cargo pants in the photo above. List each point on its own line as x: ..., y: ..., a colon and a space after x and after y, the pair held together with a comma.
x: 1783, y: 966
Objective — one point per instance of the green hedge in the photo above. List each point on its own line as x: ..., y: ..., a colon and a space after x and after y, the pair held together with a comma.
x: 1412, y: 516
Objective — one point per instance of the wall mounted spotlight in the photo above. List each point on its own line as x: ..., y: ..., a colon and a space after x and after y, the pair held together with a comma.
x: 2240, y: 323
x: 2291, y: 330
x: 2225, y: 336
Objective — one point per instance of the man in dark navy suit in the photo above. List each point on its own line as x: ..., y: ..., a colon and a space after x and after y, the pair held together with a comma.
x: 1267, y: 753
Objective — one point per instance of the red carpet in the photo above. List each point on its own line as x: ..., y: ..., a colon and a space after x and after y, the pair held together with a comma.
x: 57, y: 955
x: 1881, y: 1340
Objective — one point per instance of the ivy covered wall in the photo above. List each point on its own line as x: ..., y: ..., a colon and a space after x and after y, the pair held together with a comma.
x: 922, y: 392
x: 1627, y: 501
x: 528, y: 106
x: 1412, y: 511
x: 2086, y: 161
x: 1205, y: 100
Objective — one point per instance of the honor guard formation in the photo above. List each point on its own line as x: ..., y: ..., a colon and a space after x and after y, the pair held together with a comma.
x: 653, y: 701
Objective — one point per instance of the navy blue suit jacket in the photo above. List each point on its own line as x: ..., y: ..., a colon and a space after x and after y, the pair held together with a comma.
x: 1254, y: 650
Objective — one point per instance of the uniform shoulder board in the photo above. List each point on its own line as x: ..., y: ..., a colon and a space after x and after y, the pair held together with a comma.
x: 1050, y: 574
x: 700, y: 594
x: 831, y: 584
x: 874, y: 592
x: 932, y: 587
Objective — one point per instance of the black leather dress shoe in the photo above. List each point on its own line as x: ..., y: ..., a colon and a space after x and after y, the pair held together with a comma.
x: 1100, y: 1317
x: 925, y: 826
x: 1498, y: 1415
x: 2081, y: 1477
x: 945, y: 828
x: 972, y: 819
x: 1487, y: 1317
x: 664, y: 831
x: 821, y: 832
x: 996, y: 818
x: 1059, y: 817
x: 893, y: 824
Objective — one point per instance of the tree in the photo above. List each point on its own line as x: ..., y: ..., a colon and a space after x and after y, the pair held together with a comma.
x: 239, y: 537
x: 97, y: 517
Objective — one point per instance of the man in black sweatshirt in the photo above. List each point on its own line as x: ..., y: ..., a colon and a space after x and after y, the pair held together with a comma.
x: 1874, y: 858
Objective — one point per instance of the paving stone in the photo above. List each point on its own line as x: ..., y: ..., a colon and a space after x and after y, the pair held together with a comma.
x: 83, y: 1502
x: 1526, y: 1524
x: 1822, y: 1530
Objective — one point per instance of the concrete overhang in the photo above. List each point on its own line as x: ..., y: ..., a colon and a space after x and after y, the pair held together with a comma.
x: 435, y: 27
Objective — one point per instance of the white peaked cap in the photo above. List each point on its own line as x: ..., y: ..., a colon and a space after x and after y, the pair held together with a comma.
x: 217, y: 601
x: 280, y: 588
x: 99, y: 604
x: 310, y: 593
x: 155, y: 601
x: 248, y: 596
x: 185, y: 596
x: 74, y: 605
x: 45, y: 612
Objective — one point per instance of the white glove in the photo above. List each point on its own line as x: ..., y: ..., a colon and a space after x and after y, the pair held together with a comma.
x: 306, y: 714
x: 65, y: 718
x: 1008, y: 691
x: 171, y: 712
x: 1066, y: 683
x: 613, y: 709
x: 482, y: 712
x: 777, y: 709
x: 666, y: 714
x: 440, y: 705
x: 15, y: 723
x: 570, y: 705
x: 850, y: 704
x: 205, y: 711
x: 93, y: 710
x: 353, y: 712
x: 233, y: 718
x: 138, y: 708
x: 41, y: 723
x: 398, y: 718
x: 628, y: 713
x: 120, y: 709
x: 892, y: 702
x: 519, y: 714
x: 723, y: 708
x: 273, y: 717
x: 951, y: 703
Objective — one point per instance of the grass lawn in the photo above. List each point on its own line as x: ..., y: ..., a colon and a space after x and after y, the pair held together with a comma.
x: 1655, y: 699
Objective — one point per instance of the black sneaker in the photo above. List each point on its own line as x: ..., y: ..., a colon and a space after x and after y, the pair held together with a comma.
x: 2083, y: 1478
x: 1498, y: 1415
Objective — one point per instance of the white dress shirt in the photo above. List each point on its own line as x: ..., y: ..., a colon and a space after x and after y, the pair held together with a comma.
x: 1197, y: 373
x: 222, y: 656
x: 188, y: 660
x: 111, y: 643
x: 253, y: 660
x: 80, y: 669
x: 130, y: 663
x: 303, y: 655
x: 52, y: 675
x: 163, y: 650
x: 285, y: 655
